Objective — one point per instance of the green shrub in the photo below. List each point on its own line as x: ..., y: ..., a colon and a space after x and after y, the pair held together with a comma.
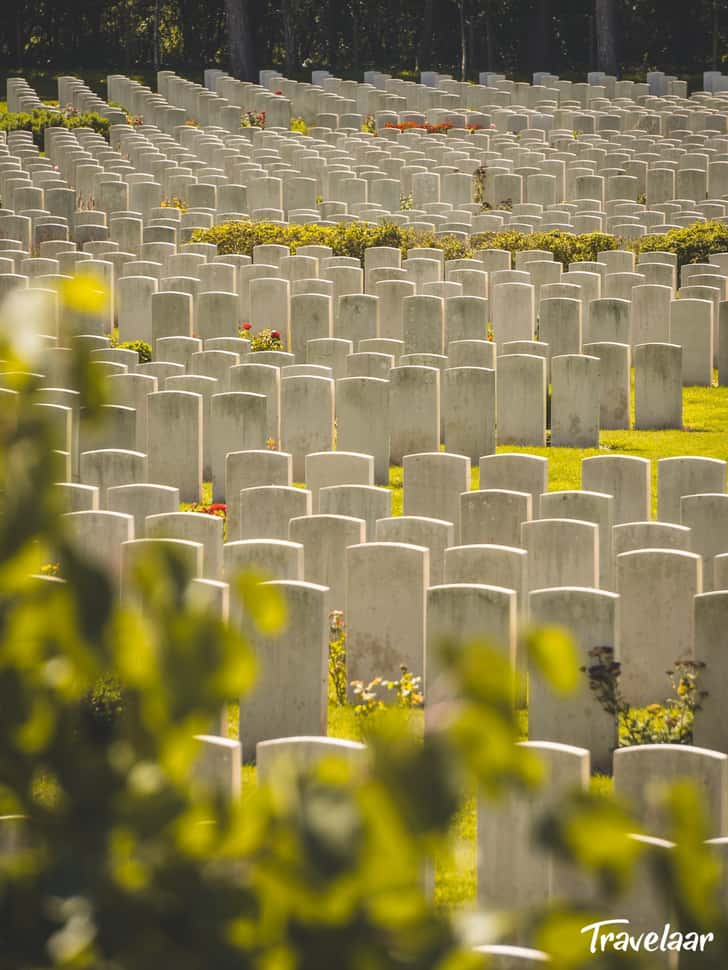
x: 691, y: 245
x: 356, y: 237
x: 566, y: 247
x: 42, y: 118
x: 142, y: 348
x: 345, y: 240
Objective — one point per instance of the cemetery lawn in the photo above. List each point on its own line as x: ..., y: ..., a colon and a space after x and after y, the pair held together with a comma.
x: 705, y: 419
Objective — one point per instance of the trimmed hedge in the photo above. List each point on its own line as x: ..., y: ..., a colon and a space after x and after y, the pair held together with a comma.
x: 42, y: 118
x: 356, y: 237
x: 692, y: 245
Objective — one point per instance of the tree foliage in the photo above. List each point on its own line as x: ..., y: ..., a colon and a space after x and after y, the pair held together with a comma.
x: 349, y: 36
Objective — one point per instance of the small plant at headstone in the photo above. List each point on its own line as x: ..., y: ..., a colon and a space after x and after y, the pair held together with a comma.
x: 668, y: 723
x: 369, y: 125
x: 480, y: 176
x: 406, y: 202
x: 369, y: 702
x: 408, y: 691
x: 143, y: 349
x: 604, y: 676
x: 299, y: 125
x: 174, y: 203
x: 215, y: 508
x: 253, y: 119
x: 271, y: 444
x: 337, y: 656
x: 265, y: 339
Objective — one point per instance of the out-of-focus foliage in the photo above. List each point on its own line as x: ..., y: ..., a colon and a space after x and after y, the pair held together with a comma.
x: 113, y: 857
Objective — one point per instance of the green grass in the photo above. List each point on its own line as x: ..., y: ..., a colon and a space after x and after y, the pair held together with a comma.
x: 705, y: 418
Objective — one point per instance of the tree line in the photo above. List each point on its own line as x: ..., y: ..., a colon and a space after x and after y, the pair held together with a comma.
x: 462, y: 37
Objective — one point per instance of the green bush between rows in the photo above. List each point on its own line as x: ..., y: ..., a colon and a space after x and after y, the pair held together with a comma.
x: 691, y: 245
x: 37, y: 122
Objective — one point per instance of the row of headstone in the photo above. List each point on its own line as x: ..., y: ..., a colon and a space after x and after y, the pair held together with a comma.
x: 396, y: 613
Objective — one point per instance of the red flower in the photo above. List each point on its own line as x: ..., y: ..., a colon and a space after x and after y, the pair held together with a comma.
x: 275, y: 334
x: 247, y: 326
x: 277, y: 92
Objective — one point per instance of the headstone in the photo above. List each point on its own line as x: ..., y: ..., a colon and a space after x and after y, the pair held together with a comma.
x: 175, y: 442
x: 517, y: 472
x: 199, y: 527
x: 586, y: 507
x: 657, y: 386
x: 366, y: 502
x: 307, y: 418
x: 435, y: 534
x: 656, y: 589
x: 686, y: 475
x: 459, y: 614
x: 237, y: 423
x: 469, y: 411
x: 433, y: 483
x: 513, y: 870
x: 362, y: 420
x: 493, y: 517
x: 561, y: 552
x: 706, y: 516
x: 590, y: 616
x: 521, y: 397
x: 643, y: 774
x: 574, y: 406
x: 325, y: 539
x: 386, y: 590
x: 266, y: 510
x: 290, y: 695
x: 710, y: 728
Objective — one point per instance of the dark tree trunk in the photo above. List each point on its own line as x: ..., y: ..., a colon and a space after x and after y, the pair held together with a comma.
x: 289, y: 34
x: 716, y: 33
x: 463, y: 43
x: 424, y: 52
x: 355, y: 45
x: 540, y: 38
x: 604, y: 17
x: 489, y: 38
x: 242, y: 54
x: 332, y: 30
x: 19, y: 45
x: 155, y: 37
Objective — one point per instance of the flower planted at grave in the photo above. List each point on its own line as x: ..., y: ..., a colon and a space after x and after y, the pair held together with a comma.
x: 216, y: 508
x: 266, y: 339
x: 253, y: 119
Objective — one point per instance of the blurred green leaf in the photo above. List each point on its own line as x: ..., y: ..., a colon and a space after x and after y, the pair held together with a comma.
x: 552, y: 652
